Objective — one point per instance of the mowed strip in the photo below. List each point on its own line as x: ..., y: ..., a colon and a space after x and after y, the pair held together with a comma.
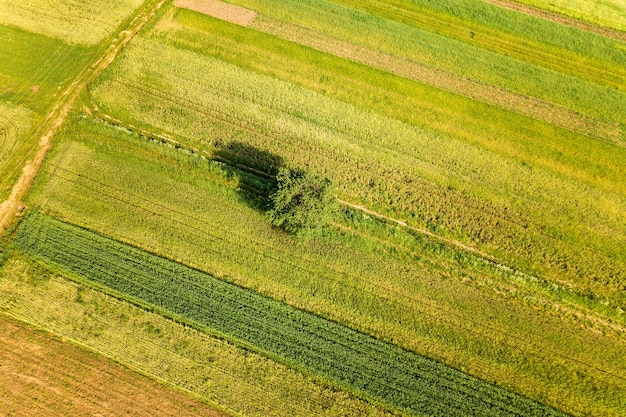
x: 364, y: 365
x: 41, y: 375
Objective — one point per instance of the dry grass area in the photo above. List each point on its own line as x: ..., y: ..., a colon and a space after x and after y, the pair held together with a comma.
x: 72, y: 21
x: 43, y: 376
x: 220, y: 10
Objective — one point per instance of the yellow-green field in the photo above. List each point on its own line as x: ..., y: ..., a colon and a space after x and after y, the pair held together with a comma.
x: 476, y: 265
x: 238, y: 380
x: 15, y: 122
x: 75, y: 22
x: 609, y: 13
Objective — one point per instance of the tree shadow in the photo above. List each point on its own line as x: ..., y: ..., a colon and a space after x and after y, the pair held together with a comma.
x: 255, y: 169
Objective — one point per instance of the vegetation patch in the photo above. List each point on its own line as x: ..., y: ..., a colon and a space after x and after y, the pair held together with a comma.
x: 15, y: 122
x: 366, y: 366
x: 81, y: 23
x: 370, y: 276
x: 303, y: 203
x: 502, y: 205
x: 237, y: 380
x: 42, y: 375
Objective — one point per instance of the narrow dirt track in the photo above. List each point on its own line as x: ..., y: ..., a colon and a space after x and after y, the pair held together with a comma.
x: 55, y: 118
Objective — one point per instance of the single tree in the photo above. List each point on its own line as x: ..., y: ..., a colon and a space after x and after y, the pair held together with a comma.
x: 303, y: 203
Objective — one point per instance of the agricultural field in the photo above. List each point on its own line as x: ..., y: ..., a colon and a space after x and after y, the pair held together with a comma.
x: 74, y: 22
x: 393, y: 285
x: 234, y: 379
x: 42, y: 375
x: 45, y: 46
x: 450, y: 186
x: 475, y: 260
x: 610, y: 13
x: 33, y: 71
x: 376, y: 370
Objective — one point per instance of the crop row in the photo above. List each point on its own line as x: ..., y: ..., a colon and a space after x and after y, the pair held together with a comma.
x: 465, y: 55
x: 364, y: 365
x: 520, y: 36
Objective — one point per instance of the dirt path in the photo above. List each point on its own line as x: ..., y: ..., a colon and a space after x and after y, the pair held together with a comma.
x: 561, y: 19
x: 55, y: 118
x: 447, y: 241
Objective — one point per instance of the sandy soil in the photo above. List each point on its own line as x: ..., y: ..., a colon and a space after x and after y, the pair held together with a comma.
x: 220, y: 10
x: 43, y: 376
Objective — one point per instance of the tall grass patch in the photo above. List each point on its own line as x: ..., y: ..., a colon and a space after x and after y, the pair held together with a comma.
x: 74, y: 22
x: 519, y: 213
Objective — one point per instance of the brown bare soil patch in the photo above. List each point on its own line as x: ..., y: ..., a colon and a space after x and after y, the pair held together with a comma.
x: 561, y: 19
x: 34, y: 88
x: 486, y: 93
x: 42, y: 376
x: 220, y: 10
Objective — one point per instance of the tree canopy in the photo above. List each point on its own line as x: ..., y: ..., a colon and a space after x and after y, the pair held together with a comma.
x: 303, y: 203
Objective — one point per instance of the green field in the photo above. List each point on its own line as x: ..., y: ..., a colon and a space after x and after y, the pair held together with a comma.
x: 372, y: 277
x: 521, y: 212
x: 375, y: 370
x: 581, y: 71
x: 477, y: 263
